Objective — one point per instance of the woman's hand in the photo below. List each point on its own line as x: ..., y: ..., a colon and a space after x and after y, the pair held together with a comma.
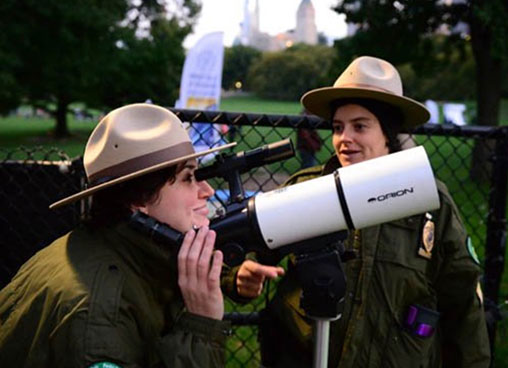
x: 199, y: 269
x: 251, y: 276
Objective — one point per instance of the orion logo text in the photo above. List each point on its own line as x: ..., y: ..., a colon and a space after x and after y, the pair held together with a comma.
x: 398, y: 193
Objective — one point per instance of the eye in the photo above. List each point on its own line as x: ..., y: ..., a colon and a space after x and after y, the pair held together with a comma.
x: 359, y: 127
x: 189, y: 177
x: 337, y: 128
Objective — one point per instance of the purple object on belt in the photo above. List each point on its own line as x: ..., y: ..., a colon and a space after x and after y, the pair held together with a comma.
x: 421, y: 321
x: 424, y: 330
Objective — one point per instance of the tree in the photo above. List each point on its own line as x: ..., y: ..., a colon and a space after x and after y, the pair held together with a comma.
x: 144, y: 68
x: 288, y: 74
x: 401, y: 31
x: 237, y: 61
x: 489, y: 32
x: 65, y: 51
x: 452, y: 78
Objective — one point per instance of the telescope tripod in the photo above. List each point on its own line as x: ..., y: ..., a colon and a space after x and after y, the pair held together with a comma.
x: 318, y: 265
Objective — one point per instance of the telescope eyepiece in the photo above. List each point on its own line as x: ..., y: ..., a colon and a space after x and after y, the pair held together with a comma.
x: 227, y: 164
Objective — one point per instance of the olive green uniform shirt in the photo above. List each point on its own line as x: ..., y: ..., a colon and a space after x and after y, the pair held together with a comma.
x: 107, y: 295
x: 386, y: 277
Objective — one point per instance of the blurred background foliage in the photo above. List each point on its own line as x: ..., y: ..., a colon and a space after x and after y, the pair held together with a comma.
x: 104, y: 54
x: 100, y: 53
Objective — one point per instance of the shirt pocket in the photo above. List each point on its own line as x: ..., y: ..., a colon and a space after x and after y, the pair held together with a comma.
x: 400, y: 279
x: 400, y: 274
x: 403, y: 349
x: 399, y: 242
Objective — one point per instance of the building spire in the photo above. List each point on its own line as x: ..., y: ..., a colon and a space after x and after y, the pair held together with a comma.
x: 306, y: 30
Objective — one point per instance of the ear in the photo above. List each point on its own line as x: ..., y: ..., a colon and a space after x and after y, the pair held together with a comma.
x: 142, y: 209
x: 387, y: 140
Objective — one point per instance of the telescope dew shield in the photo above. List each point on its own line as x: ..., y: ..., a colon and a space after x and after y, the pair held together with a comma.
x: 392, y: 187
x: 372, y: 192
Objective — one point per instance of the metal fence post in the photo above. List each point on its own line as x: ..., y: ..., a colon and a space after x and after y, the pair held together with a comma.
x: 496, y: 234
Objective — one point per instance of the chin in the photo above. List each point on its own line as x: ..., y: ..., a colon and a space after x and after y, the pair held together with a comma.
x: 201, y: 222
x: 345, y: 163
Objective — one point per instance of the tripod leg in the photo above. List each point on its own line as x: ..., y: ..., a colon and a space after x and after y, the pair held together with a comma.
x: 321, y: 343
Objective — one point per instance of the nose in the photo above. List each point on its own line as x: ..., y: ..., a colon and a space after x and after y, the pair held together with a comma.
x: 346, y: 135
x: 205, y: 189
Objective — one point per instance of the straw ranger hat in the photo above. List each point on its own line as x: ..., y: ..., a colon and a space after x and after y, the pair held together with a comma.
x: 131, y: 141
x: 367, y: 77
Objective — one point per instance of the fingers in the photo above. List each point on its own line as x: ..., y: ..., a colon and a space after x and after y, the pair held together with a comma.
x: 199, y: 269
x: 259, y: 271
x: 270, y: 272
x: 183, y: 254
x: 214, y: 276
x: 203, y: 266
x: 195, y: 255
x: 249, y: 290
x: 251, y: 276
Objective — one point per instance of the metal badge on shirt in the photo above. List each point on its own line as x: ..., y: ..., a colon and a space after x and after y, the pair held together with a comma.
x: 479, y: 293
x: 427, y: 243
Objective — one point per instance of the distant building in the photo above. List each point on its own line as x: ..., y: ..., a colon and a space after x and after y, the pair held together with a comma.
x: 305, y: 31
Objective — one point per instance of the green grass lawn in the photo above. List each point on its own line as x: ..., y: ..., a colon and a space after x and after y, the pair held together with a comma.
x: 30, y: 132
x: 449, y: 157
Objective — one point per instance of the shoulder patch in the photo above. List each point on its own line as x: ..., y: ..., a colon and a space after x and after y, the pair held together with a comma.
x: 471, y: 250
x: 104, y: 365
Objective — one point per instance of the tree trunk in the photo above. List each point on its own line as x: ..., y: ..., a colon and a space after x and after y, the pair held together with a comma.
x: 61, y: 129
x: 488, y: 93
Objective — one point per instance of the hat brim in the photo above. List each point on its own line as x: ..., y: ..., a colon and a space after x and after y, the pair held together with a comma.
x: 318, y: 101
x: 88, y: 192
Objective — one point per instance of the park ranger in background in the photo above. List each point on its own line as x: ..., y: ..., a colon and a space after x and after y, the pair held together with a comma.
x: 413, y: 297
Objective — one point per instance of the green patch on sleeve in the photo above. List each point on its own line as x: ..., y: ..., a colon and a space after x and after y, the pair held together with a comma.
x: 471, y: 250
x: 105, y: 365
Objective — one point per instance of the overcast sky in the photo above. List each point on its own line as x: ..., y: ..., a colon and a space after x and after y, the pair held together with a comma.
x: 275, y: 16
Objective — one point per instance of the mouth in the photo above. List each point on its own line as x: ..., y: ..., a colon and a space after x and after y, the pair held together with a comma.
x: 202, y: 211
x: 349, y: 152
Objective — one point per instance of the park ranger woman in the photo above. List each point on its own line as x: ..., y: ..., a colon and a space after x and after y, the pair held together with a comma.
x: 412, y: 295
x: 106, y: 294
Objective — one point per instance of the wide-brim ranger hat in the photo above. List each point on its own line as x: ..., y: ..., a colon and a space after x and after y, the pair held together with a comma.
x: 372, y: 78
x: 132, y: 141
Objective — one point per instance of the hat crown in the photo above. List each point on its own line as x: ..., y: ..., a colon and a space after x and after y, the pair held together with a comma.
x: 130, y: 133
x: 368, y: 72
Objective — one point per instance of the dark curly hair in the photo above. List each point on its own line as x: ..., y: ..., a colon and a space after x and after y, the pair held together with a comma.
x: 113, y: 204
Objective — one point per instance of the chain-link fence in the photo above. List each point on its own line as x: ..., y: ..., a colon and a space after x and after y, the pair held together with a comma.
x: 29, y: 185
x: 30, y: 179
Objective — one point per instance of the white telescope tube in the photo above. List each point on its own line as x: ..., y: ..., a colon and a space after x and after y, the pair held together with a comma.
x: 372, y: 192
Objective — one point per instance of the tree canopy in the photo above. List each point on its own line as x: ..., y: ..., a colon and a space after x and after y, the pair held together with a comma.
x: 237, y: 61
x: 288, y: 74
x: 102, y: 53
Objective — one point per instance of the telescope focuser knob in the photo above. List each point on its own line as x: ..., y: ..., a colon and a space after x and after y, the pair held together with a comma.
x: 234, y: 254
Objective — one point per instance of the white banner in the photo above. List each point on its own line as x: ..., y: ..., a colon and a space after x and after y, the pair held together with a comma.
x: 200, y: 86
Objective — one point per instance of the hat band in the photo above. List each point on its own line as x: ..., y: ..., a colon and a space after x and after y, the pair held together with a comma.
x: 141, y: 162
x: 368, y: 86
